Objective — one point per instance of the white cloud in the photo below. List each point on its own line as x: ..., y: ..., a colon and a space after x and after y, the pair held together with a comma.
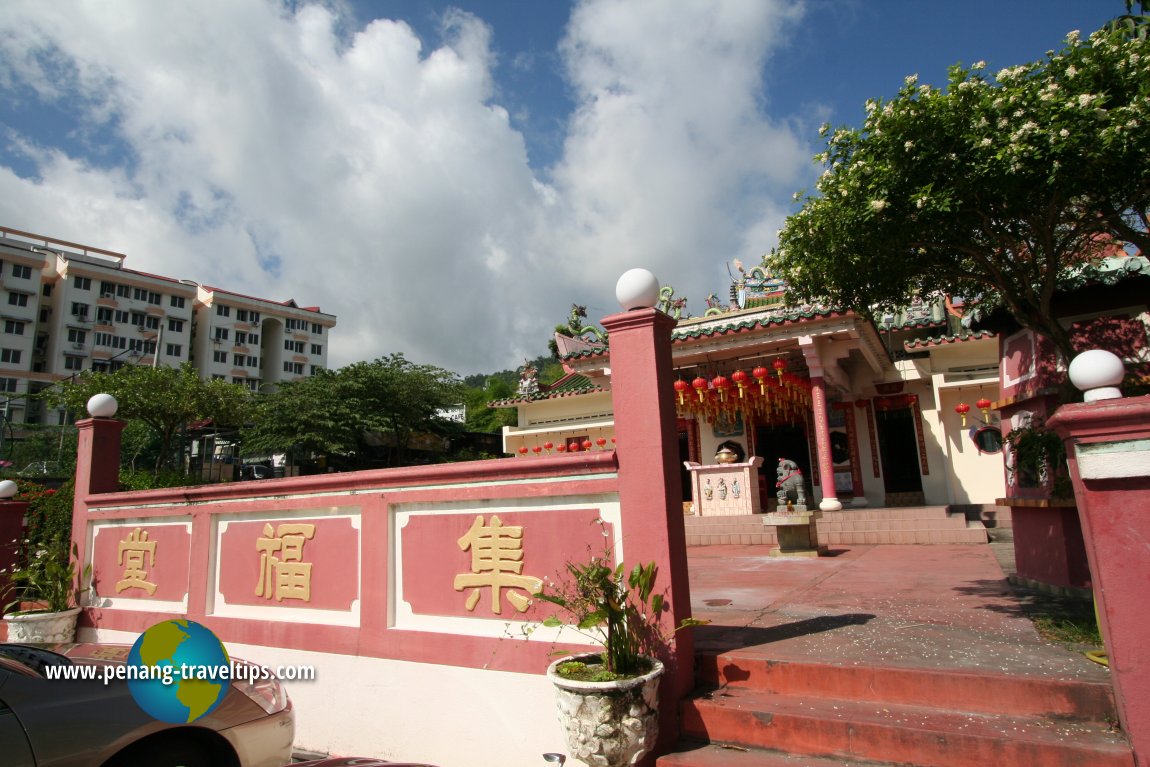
x: 259, y: 149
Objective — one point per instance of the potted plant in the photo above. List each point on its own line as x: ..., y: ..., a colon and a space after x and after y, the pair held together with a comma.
x: 49, y: 582
x: 608, y: 701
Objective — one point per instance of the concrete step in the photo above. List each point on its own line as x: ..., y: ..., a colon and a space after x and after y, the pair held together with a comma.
x: 903, y: 512
x: 726, y: 755
x: 910, y: 525
x: 902, y: 734
x: 980, y: 693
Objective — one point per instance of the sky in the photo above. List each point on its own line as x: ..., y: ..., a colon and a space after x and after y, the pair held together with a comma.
x: 448, y: 178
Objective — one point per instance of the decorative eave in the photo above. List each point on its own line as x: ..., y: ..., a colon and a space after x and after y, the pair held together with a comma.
x: 937, y: 341
x: 686, y: 334
x: 570, y: 385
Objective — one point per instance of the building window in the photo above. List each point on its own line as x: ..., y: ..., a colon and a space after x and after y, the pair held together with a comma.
x: 221, y: 334
x: 254, y: 339
x: 293, y: 346
x: 104, y: 339
x: 139, y: 294
x: 77, y: 336
x: 223, y: 311
x: 8, y: 385
x: 99, y: 366
x: 73, y: 363
x: 107, y: 290
x: 253, y: 362
x: 174, y: 350
x: 176, y: 326
x: 293, y: 367
x: 241, y: 338
x: 18, y: 299
x: 11, y: 356
x: 317, y: 329
x: 238, y: 360
x: 123, y: 291
x: 137, y: 319
x: 241, y: 315
x: 177, y: 302
x: 316, y: 368
x: 82, y: 283
x: 136, y: 344
x: 317, y: 349
x: 15, y: 327
x: 46, y: 290
x: 79, y: 309
x: 21, y: 271
x: 152, y: 323
x: 122, y: 315
x: 153, y: 298
x: 218, y: 356
x: 241, y: 380
x: 254, y: 318
x: 103, y: 315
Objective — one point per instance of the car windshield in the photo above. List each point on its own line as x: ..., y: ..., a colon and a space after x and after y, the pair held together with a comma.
x: 32, y: 658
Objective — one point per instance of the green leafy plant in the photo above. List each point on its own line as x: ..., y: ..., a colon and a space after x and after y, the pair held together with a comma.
x: 1038, y: 456
x: 47, y: 579
x: 614, y: 606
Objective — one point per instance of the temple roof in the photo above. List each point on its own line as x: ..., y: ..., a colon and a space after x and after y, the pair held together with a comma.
x: 570, y: 385
x: 920, y: 343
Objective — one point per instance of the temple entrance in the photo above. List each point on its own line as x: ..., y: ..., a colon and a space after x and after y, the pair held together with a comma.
x: 898, y: 451
x: 781, y: 441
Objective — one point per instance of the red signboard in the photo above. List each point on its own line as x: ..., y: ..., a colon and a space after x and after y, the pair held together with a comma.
x: 308, y: 563
x: 141, y: 561
x: 488, y: 565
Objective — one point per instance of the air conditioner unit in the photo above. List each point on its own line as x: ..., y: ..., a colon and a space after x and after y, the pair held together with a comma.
x: 77, y: 345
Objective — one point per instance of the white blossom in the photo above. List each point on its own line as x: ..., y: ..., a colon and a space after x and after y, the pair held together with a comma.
x: 824, y: 129
x: 1063, y: 133
x: 985, y: 142
x: 877, y: 205
x: 920, y: 202
x: 1072, y: 37
x: 908, y: 146
x: 911, y: 79
x: 979, y: 65
x: 1071, y: 71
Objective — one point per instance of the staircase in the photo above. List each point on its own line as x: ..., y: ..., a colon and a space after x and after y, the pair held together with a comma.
x: 753, y: 712
x: 909, y: 524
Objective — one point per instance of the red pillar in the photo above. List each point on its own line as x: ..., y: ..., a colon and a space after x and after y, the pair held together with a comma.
x: 650, y: 494
x: 823, y: 445
x: 97, y: 471
x: 1108, y: 450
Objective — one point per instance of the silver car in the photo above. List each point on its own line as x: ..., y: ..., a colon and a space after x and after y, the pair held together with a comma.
x: 97, y: 724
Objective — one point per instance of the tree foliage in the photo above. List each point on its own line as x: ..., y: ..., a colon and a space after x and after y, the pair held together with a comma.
x: 998, y: 187
x: 338, y: 412
x: 165, y: 399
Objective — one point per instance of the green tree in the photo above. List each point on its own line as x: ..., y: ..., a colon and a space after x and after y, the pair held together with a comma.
x: 165, y: 399
x: 338, y: 412
x: 482, y: 418
x: 1005, y: 188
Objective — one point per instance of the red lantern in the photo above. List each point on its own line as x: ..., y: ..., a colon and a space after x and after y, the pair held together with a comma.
x: 779, y: 365
x: 612, y: 440
x: 760, y: 373
x: 984, y: 405
x: 681, y: 387
x: 721, y: 385
x: 740, y: 379
x: 537, y: 450
x: 561, y: 448
x: 962, y: 409
x: 600, y: 442
x: 700, y: 385
x: 547, y: 446
x: 523, y: 450
x: 586, y: 444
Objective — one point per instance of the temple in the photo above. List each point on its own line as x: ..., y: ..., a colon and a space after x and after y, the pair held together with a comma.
x: 902, y: 412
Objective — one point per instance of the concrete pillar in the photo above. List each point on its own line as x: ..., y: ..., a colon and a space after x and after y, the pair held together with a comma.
x: 1108, y: 450
x: 650, y: 494
x: 97, y: 471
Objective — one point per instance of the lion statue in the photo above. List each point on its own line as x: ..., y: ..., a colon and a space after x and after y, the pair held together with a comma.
x: 790, y: 484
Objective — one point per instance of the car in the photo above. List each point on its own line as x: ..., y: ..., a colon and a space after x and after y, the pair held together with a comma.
x: 39, y: 469
x: 91, y: 723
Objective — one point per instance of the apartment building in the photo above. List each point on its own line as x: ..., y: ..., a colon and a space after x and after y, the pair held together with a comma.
x: 67, y: 308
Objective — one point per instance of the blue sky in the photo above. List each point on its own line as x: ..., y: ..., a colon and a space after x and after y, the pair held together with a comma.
x: 447, y: 178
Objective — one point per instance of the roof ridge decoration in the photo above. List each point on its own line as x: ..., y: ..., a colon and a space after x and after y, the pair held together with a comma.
x: 940, y: 340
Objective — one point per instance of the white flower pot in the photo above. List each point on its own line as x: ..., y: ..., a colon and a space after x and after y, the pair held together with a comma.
x: 43, y: 627
x: 608, y: 724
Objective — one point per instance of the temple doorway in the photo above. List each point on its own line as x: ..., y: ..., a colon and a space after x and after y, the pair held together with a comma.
x: 898, y: 451
x: 781, y: 441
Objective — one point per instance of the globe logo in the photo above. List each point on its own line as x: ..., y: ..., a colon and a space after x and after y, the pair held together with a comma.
x: 178, y: 671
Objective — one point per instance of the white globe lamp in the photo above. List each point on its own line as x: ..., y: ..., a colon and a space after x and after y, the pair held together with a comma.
x: 8, y: 490
x: 102, y: 406
x: 637, y: 289
x: 1097, y: 373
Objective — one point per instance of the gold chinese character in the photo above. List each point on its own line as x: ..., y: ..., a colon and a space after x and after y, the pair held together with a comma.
x: 131, y: 556
x: 286, y: 576
x: 497, y: 562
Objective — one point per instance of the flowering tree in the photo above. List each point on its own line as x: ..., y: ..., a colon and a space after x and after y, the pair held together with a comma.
x: 1003, y: 187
